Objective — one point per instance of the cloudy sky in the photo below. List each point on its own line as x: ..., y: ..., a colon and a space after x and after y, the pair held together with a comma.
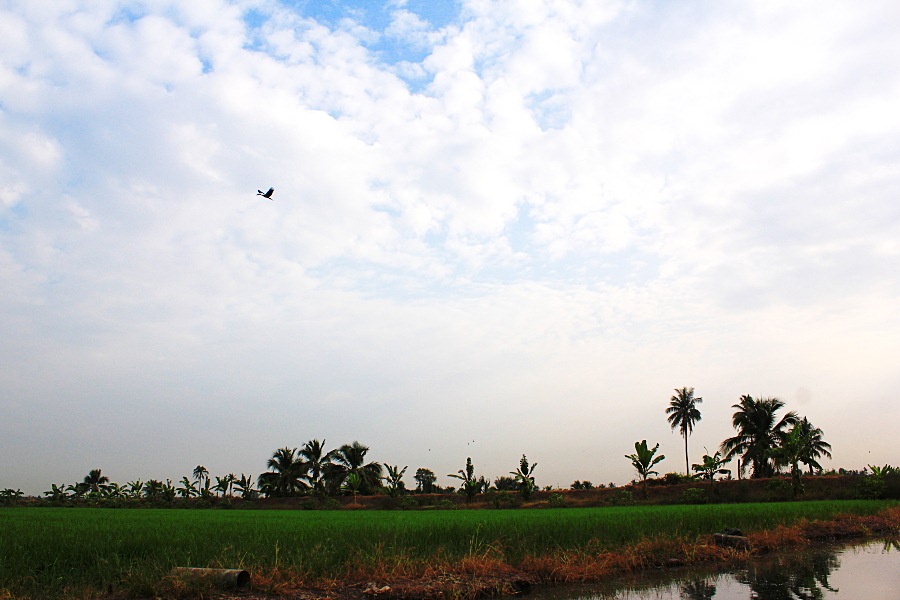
x: 499, y: 227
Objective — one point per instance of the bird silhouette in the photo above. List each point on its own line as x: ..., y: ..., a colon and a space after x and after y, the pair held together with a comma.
x: 266, y: 194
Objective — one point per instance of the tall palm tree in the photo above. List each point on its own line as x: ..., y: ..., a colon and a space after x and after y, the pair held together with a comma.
x: 287, y: 469
x: 317, y: 462
x: 816, y: 446
x: 200, y: 473
x: 351, y: 458
x: 757, y: 433
x: 95, y: 479
x: 683, y: 413
x: 792, y: 446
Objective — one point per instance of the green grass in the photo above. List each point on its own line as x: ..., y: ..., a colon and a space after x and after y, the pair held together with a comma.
x: 47, y: 552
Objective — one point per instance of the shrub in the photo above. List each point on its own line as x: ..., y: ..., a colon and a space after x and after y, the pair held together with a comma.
x: 778, y: 490
x: 323, y: 504
x: 506, y: 500
x: 870, y: 488
x: 408, y: 503
x: 674, y: 479
x: 556, y: 501
x: 694, y: 496
x: 622, y: 497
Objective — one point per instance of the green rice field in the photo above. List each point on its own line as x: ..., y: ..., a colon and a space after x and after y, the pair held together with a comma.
x: 53, y: 552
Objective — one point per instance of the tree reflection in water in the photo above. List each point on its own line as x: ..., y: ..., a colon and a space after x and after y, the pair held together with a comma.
x: 701, y: 588
x: 794, y: 577
x: 803, y: 575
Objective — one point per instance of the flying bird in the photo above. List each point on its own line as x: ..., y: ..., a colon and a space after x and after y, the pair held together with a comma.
x: 266, y: 194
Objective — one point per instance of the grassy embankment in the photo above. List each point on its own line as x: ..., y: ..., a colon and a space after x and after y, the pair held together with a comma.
x: 83, y: 553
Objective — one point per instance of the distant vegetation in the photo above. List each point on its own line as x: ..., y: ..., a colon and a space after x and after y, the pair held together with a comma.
x: 765, y: 443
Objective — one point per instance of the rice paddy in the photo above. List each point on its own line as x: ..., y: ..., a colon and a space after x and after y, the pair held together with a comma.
x: 62, y: 552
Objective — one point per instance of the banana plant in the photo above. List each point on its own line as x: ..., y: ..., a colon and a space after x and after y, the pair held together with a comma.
x: 245, y: 487
x: 187, y: 489
x: 643, y: 460
x: 134, y: 489
x: 77, y: 490
x: 882, y: 471
x: 153, y: 489
x: 57, y: 493
x: 470, y: 486
x: 224, y: 484
x: 10, y: 496
x: 710, y: 467
x: 352, y: 483
x: 112, y: 491
x: 524, y: 478
x: 394, y: 479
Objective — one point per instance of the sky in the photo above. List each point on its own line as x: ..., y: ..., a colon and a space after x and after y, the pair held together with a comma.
x: 498, y: 228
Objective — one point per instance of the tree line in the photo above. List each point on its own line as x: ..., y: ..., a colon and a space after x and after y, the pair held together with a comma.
x: 765, y: 443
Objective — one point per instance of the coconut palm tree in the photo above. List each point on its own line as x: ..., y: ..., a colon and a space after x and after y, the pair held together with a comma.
x: 317, y: 462
x: 287, y: 469
x: 95, y: 479
x: 351, y: 458
x: 200, y: 474
x: 816, y: 445
x: 643, y: 460
x: 683, y: 413
x: 757, y: 433
x: 792, y: 447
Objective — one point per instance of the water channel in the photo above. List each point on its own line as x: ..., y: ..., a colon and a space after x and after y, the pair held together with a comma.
x: 870, y: 571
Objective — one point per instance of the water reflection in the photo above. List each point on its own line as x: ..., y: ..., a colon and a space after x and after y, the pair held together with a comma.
x: 869, y: 571
x: 698, y: 589
x: 794, y: 578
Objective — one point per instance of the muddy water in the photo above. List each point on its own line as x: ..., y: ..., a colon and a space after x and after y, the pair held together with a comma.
x: 870, y: 572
